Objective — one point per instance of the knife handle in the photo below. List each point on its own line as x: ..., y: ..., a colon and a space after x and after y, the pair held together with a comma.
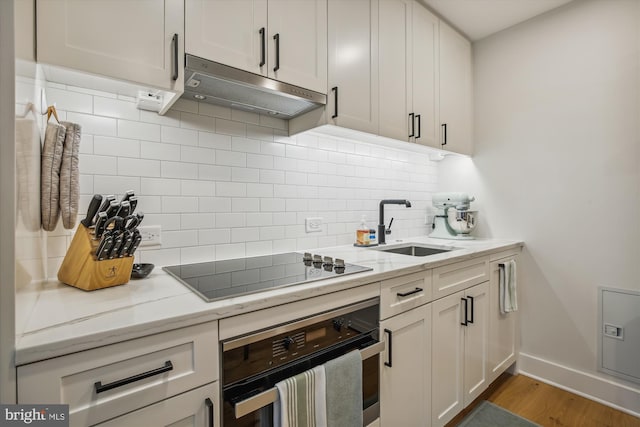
x: 101, y: 223
x: 106, y: 202
x: 127, y: 239
x: 113, y: 209
x: 104, y: 247
x: 117, y: 242
x: 125, y: 209
x: 127, y: 196
x: 134, y: 244
x: 133, y: 202
x: 94, y: 205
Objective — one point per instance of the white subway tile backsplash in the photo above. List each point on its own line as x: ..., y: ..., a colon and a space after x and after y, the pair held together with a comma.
x: 180, y: 136
x: 138, y: 130
x: 224, y: 183
x: 115, y: 108
x: 138, y: 167
x: 159, y: 151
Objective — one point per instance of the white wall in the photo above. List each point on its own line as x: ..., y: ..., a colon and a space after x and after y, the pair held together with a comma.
x: 224, y: 183
x: 558, y: 165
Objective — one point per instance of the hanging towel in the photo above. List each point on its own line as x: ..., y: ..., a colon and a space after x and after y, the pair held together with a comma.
x: 507, y: 287
x: 50, y: 175
x: 69, y: 175
x: 28, y: 173
x: 302, y: 400
x: 344, y: 390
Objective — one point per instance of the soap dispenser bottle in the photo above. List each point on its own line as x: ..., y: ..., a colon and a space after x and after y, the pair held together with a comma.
x: 363, y: 233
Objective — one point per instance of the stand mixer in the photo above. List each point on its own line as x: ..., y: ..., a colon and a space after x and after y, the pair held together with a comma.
x: 454, y: 220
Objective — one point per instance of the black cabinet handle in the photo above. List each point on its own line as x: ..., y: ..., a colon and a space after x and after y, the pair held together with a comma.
x: 419, y: 126
x: 277, y: 39
x: 209, y: 404
x: 472, y: 304
x: 263, y: 47
x: 389, y: 359
x: 413, y: 124
x: 444, y: 134
x: 406, y: 294
x: 174, y: 43
x: 168, y: 366
x: 466, y: 307
x: 335, y: 114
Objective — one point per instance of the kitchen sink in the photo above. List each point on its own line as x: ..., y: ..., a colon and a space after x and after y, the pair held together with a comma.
x: 415, y: 249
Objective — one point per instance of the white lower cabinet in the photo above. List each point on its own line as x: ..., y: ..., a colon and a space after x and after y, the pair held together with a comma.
x: 195, y: 408
x: 405, y: 394
x: 502, y: 327
x: 459, y: 364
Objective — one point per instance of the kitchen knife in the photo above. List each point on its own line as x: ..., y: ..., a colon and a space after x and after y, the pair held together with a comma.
x: 127, y: 239
x: 105, y: 247
x: 106, y: 201
x: 137, y: 238
x: 125, y: 209
x: 131, y: 222
x: 133, y: 202
x: 113, y: 209
x: 94, y: 205
x: 128, y: 195
x: 101, y: 223
x: 118, y: 239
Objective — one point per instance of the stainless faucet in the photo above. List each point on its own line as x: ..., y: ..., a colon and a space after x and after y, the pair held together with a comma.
x: 381, y: 227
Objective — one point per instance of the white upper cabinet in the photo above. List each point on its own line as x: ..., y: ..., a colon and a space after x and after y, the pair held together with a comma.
x: 395, y: 68
x: 228, y: 31
x: 139, y: 41
x: 353, y: 65
x: 408, y: 72
x: 282, y: 39
x: 455, y: 91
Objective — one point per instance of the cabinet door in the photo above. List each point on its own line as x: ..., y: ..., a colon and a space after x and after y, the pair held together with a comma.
x: 395, y: 69
x: 425, y: 76
x: 502, y: 328
x: 447, y: 359
x: 405, y: 385
x: 353, y: 64
x: 195, y: 408
x: 455, y: 91
x: 129, y: 40
x: 299, y: 55
x: 228, y: 32
x: 476, y: 342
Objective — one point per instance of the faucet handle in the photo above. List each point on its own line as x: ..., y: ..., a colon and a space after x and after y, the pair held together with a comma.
x: 388, y: 229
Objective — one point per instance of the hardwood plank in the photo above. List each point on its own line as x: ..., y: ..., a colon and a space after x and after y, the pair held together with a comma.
x: 549, y: 406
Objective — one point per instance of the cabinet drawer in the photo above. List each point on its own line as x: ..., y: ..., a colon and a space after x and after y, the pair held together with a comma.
x: 459, y: 276
x: 194, y: 408
x: 404, y: 293
x: 105, y: 382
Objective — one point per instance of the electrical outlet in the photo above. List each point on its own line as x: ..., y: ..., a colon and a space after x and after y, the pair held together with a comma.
x: 313, y: 225
x: 151, y: 235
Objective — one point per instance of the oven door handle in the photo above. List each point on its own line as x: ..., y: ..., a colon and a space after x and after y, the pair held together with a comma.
x: 268, y: 397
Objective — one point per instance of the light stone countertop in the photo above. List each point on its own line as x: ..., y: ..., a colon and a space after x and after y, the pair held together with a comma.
x: 55, y: 319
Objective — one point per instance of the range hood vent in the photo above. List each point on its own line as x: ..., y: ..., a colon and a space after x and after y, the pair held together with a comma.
x: 214, y: 83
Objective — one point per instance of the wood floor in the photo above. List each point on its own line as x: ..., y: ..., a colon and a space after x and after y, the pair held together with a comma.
x: 549, y: 406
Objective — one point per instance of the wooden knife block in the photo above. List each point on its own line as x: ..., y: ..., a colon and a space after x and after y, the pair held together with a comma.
x: 81, y: 269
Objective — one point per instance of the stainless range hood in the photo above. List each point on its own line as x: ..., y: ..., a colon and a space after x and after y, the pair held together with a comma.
x: 211, y: 82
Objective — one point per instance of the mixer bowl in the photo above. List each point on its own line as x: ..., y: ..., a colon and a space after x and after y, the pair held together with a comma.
x: 462, y: 222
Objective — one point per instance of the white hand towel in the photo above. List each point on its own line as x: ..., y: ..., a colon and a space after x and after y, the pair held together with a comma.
x: 507, y: 287
x: 302, y: 400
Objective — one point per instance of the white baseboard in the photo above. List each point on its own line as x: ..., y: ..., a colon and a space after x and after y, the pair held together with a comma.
x: 620, y: 396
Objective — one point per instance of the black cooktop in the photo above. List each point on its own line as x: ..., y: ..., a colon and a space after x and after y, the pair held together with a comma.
x: 232, y: 277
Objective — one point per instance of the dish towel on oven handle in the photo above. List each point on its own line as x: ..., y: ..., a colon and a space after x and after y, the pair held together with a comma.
x: 507, y: 287
x: 302, y: 400
x: 344, y: 390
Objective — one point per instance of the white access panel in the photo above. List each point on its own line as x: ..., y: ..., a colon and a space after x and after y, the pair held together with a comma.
x: 619, y: 334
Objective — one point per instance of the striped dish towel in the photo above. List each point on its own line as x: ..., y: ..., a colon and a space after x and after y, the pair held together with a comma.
x: 302, y: 400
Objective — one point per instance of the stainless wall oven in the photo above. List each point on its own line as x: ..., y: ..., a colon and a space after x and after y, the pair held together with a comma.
x: 253, y: 364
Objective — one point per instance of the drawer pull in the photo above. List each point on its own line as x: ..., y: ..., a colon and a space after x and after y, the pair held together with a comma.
x: 406, y: 294
x: 168, y: 366
x: 389, y: 363
x: 209, y: 404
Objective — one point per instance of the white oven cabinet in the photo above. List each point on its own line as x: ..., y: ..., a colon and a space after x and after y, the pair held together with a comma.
x: 408, y: 72
x: 456, y: 91
x: 195, y: 408
x: 285, y: 40
x: 405, y: 393
x: 459, y: 366
x: 140, y: 41
x: 109, y: 381
x: 503, y: 328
